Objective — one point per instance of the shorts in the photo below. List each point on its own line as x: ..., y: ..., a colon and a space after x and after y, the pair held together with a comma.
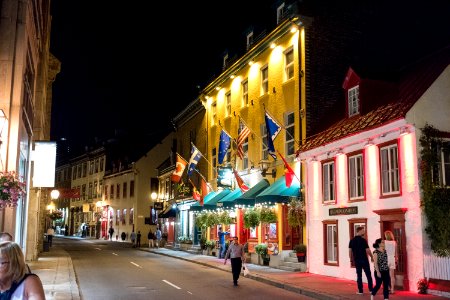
x: 391, y: 263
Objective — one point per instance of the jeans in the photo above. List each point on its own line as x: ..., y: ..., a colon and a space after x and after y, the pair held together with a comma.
x: 360, y: 266
x: 236, y: 266
x: 385, y: 280
x: 222, y: 251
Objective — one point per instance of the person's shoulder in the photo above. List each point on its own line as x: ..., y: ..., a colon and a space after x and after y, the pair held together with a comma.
x: 34, y: 287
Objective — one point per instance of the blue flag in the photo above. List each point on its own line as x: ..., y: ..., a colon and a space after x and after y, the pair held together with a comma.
x: 195, y: 158
x: 273, y: 129
x: 224, y: 144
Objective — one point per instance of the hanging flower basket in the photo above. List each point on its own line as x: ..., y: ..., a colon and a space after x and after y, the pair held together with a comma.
x: 11, y: 189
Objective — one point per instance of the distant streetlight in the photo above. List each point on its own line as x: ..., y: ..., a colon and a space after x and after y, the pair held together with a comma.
x: 154, y: 196
x: 54, y: 194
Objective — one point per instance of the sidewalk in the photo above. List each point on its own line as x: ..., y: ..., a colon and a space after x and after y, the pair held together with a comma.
x: 57, y: 274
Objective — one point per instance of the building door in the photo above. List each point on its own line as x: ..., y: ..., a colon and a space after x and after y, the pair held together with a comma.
x: 394, y: 220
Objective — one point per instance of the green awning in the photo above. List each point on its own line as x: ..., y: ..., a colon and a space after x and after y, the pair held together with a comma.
x: 278, y: 192
x: 198, y: 207
x: 212, y: 204
x: 169, y: 212
x: 228, y: 200
x: 248, y: 198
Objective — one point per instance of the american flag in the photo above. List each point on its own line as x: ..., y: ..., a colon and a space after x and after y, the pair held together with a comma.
x: 243, y: 135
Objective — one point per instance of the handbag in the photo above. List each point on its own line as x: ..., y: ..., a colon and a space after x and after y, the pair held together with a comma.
x: 246, y: 271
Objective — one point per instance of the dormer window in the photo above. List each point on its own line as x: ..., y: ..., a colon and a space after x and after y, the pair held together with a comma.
x: 280, y: 13
x: 249, y: 39
x: 353, y: 101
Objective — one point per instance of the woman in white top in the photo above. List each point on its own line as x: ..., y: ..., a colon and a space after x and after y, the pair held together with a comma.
x: 15, y: 282
x: 391, y: 250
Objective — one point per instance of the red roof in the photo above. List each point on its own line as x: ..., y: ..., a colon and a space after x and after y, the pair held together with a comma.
x: 416, y: 80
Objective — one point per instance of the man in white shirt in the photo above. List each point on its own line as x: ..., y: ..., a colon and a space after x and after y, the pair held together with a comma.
x: 50, y: 234
x: 237, y: 256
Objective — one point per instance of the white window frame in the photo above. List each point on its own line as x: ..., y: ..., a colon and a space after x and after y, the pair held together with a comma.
x: 389, y: 170
x: 289, y: 63
x: 249, y: 39
x: 228, y: 103
x: 289, y: 125
x: 356, y: 177
x: 353, y: 101
x: 331, y: 242
x: 264, y: 80
x: 245, y: 92
x: 280, y: 12
x: 441, y: 172
x: 328, y: 179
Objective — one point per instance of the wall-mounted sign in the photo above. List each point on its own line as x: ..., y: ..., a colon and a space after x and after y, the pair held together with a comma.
x: 158, y: 205
x: 224, y: 177
x: 343, y: 211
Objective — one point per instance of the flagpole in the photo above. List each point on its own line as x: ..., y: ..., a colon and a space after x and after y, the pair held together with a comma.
x: 207, y: 183
x: 260, y: 138
x: 282, y: 126
x: 202, y: 156
x: 284, y: 160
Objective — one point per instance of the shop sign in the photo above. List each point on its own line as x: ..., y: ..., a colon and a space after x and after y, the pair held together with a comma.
x: 343, y: 211
x: 224, y: 177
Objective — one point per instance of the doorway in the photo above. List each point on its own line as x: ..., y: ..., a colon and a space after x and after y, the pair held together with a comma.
x: 394, y: 220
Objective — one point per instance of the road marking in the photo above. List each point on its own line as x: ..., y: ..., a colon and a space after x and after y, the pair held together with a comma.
x: 135, y: 264
x: 169, y: 283
x: 115, y: 254
x: 189, y: 292
x: 98, y: 249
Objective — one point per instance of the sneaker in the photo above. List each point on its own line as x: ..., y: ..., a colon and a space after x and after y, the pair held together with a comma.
x: 359, y: 293
x: 371, y: 297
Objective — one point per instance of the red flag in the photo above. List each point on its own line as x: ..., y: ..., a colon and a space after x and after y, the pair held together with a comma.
x: 195, y: 193
x: 243, y: 134
x: 240, y: 182
x: 288, y: 172
x: 204, y: 189
x: 179, y: 169
x: 69, y: 193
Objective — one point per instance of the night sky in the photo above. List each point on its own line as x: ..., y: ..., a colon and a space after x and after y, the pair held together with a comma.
x: 122, y: 59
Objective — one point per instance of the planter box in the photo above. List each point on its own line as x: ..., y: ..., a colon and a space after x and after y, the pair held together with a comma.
x: 185, y: 246
x: 275, y: 261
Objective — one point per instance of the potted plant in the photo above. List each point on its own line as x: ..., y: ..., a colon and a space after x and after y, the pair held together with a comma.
x: 296, y: 215
x: 11, y: 189
x: 422, y: 286
x: 263, y: 253
x: 300, y: 250
x: 210, y: 245
x: 267, y: 215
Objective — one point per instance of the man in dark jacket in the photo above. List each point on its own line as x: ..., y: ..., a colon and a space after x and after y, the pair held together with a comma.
x: 358, y: 250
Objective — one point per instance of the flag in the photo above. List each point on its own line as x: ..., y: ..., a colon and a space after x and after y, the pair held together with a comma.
x: 240, y: 182
x: 195, y: 158
x: 179, y: 169
x: 273, y: 129
x: 288, y: 172
x: 69, y: 193
x: 224, y: 144
x: 204, y: 189
x: 195, y: 192
x: 243, y: 134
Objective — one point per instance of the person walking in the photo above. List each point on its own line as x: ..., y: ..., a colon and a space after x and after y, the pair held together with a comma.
x: 391, y: 251
x: 358, y: 250
x: 381, y: 269
x: 15, y: 282
x: 237, y: 255
x: 158, y: 235
x: 138, y: 239
x: 50, y: 234
x: 111, y: 233
x: 151, y: 237
x: 133, y: 238
x: 222, y: 244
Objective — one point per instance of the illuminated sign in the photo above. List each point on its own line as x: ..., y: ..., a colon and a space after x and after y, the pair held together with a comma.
x: 343, y: 211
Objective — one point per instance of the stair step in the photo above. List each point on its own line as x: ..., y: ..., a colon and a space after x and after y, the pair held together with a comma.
x: 290, y: 269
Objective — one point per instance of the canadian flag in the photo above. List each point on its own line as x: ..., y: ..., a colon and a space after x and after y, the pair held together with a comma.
x: 179, y: 169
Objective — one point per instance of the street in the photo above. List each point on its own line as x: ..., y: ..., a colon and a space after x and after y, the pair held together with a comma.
x: 115, y: 270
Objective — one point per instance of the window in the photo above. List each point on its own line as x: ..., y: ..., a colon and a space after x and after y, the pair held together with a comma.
x: 124, y: 191
x: 84, y: 170
x: 131, y: 188
x: 331, y: 242
x: 280, y: 13
x: 91, y: 167
x: 264, y: 80
x: 289, y: 63
x: 264, y: 149
x: 124, y: 216
x: 245, y: 93
x: 118, y: 217
x: 95, y: 195
x: 249, y: 40
x: 441, y: 171
x: 289, y: 121
x: 79, y: 171
x: 356, y: 176
x: 83, y: 192
x: 118, y: 191
x: 213, y: 113
x: 112, y: 191
x: 106, y: 192
x: 328, y: 181
x: 353, y: 101
x: 100, y: 188
x: 102, y: 162
x: 228, y: 103
x: 245, y: 150
x: 389, y: 170
x: 96, y: 166
x: 74, y: 173
x: 131, y: 216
